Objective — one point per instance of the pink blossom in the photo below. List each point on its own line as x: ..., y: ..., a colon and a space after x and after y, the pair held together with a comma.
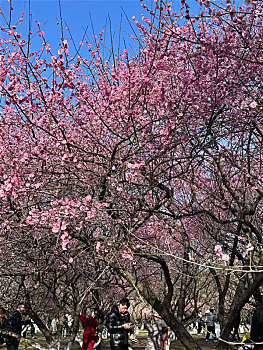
x: 56, y: 227
x: 21, y: 43
x: 31, y: 221
x: 135, y: 165
x: 91, y: 213
x: 87, y: 199
x: 64, y: 236
x: 218, y: 250
x: 191, y: 258
x: 253, y: 104
x: 249, y: 248
x: 64, y: 225
x: 7, y: 187
x: 127, y: 255
x: 98, y: 247
x: 225, y: 257
x: 64, y: 244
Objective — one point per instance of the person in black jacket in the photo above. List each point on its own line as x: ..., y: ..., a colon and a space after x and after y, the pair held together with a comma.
x: 119, y: 326
x: 14, y: 325
x: 256, y: 333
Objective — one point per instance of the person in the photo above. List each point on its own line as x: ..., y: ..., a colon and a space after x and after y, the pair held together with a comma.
x: 54, y: 325
x: 210, y: 320
x: 14, y: 325
x: 119, y: 325
x: 26, y: 327
x: 90, y: 327
x: 70, y: 323
x: 200, y: 323
x: 157, y: 333
x: 256, y: 333
x: 32, y: 330
x: 65, y: 327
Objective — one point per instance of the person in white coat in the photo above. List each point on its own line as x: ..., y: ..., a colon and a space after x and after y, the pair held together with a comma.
x: 157, y: 329
x: 210, y: 320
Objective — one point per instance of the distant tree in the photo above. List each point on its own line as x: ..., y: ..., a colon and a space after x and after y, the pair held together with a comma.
x: 151, y: 162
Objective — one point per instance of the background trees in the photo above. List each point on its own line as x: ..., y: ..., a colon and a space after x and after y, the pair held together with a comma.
x: 148, y: 166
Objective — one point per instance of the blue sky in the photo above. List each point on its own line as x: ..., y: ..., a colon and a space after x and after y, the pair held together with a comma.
x: 78, y: 15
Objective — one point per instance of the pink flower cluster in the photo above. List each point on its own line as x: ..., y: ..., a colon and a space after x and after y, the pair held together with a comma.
x: 219, y: 252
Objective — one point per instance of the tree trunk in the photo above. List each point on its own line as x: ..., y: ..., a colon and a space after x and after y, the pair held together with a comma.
x: 43, y: 328
x: 185, y: 338
x: 183, y: 289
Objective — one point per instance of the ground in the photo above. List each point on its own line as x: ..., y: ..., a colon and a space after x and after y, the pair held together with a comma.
x: 140, y: 345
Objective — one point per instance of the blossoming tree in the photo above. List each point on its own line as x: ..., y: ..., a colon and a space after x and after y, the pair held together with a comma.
x: 152, y: 161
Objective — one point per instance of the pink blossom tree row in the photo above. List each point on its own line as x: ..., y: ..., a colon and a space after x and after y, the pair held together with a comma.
x: 151, y: 162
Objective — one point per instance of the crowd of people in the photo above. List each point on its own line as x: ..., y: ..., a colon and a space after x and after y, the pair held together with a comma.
x: 121, y: 330
x: 207, y: 324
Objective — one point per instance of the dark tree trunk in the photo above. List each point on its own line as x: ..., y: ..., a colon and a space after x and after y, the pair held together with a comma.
x: 240, y: 299
x: 182, y: 334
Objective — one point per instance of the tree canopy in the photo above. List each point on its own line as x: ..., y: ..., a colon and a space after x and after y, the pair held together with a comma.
x: 147, y: 165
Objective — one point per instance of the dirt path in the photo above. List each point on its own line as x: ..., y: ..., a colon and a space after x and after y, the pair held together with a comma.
x: 140, y: 345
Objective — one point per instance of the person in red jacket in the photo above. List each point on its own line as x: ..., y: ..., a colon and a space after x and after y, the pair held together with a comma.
x: 90, y: 327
